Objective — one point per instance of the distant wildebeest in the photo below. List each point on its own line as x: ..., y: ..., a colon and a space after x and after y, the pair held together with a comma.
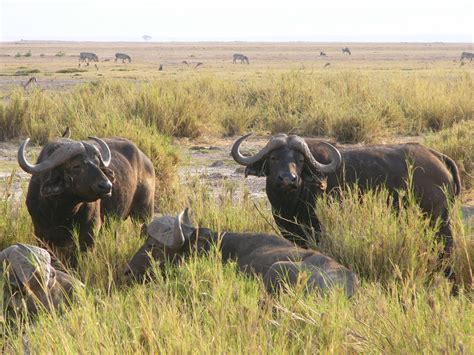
x: 275, y: 259
x: 297, y: 170
x: 32, y: 282
x: 467, y: 55
x: 30, y: 82
x: 327, y: 64
x: 198, y: 64
x: 346, y: 50
x: 322, y: 54
x: 241, y: 57
x: 74, y: 184
x: 88, y: 57
x: 123, y: 57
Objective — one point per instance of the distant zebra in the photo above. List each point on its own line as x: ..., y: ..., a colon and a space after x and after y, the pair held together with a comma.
x: 322, y: 54
x: 467, y: 55
x: 88, y: 57
x: 123, y: 57
x: 346, y: 50
x: 243, y: 59
x: 31, y: 81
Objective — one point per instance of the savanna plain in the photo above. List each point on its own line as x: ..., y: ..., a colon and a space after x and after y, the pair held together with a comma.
x: 185, y: 117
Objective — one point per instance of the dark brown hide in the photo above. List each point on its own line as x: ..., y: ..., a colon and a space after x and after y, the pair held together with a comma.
x: 368, y: 166
x: 81, y: 191
x: 275, y: 259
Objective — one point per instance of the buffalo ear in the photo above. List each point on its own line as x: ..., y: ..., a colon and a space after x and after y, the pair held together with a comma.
x: 259, y: 169
x: 314, y: 178
x: 109, y: 173
x: 53, y: 184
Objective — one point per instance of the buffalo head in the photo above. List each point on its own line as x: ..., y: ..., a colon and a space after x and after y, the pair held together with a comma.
x: 168, y: 239
x: 74, y: 168
x: 286, y: 161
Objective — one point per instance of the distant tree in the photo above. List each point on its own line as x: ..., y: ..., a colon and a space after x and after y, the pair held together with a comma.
x: 146, y: 37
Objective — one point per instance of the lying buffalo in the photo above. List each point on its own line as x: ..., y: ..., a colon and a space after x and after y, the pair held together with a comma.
x: 32, y: 282
x: 275, y: 259
x: 75, y: 184
x: 298, y: 170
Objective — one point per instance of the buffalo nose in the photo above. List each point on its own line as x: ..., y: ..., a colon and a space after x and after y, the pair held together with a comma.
x: 104, y: 187
x: 288, y: 179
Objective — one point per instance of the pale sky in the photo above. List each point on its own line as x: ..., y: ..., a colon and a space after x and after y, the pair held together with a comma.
x: 238, y: 20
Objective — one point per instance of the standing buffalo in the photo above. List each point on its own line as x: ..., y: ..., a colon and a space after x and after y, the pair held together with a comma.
x: 298, y: 170
x: 75, y: 184
x: 275, y: 259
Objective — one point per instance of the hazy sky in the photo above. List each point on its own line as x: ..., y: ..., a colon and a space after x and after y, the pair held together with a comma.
x: 270, y: 20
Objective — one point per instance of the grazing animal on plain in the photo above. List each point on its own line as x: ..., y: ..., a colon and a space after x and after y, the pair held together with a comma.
x: 30, y: 82
x: 185, y: 62
x: 75, y: 184
x: 88, y: 57
x: 322, y: 54
x: 273, y: 258
x: 160, y: 68
x: 346, y: 50
x: 327, y: 64
x: 33, y: 282
x: 243, y: 59
x: 297, y: 170
x: 123, y: 57
x: 198, y: 64
x: 467, y: 55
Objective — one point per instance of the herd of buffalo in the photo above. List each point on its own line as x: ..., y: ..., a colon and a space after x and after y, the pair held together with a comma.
x: 74, y: 185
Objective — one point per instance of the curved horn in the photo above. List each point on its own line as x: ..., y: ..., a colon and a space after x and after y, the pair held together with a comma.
x: 64, y: 152
x: 186, y: 217
x: 300, y: 145
x: 273, y: 144
x: 104, y: 151
x: 177, y: 239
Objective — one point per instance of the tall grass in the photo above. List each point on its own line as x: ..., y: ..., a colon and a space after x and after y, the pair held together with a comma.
x: 351, y: 106
x: 204, y: 306
x: 458, y: 143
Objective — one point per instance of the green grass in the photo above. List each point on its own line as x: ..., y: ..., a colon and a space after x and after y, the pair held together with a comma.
x: 350, y: 106
x: 404, y: 304
x: 205, y: 306
x: 458, y: 143
x: 26, y: 72
x: 70, y: 71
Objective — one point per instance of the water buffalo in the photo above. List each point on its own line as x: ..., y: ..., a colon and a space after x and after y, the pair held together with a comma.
x: 74, y: 184
x: 32, y: 281
x: 275, y: 259
x: 298, y: 170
